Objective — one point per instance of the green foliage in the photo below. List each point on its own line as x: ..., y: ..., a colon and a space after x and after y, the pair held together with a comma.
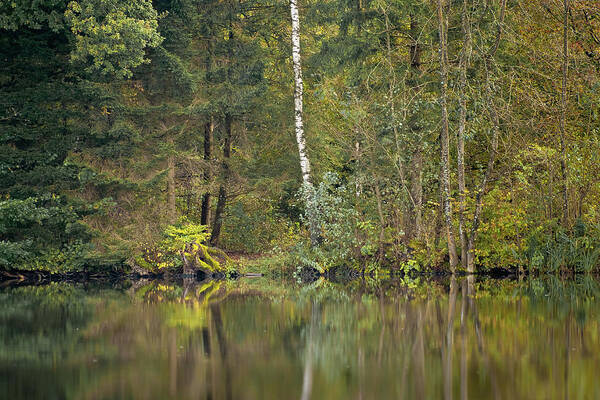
x: 255, y: 226
x: 69, y: 258
x: 15, y: 214
x: 183, y: 239
x: 113, y: 34
x: 554, y: 250
x: 14, y: 254
x: 43, y: 233
x: 49, y: 113
x: 109, y: 36
x: 17, y: 14
x: 104, y: 105
x: 503, y: 231
x: 346, y: 238
x: 178, y: 236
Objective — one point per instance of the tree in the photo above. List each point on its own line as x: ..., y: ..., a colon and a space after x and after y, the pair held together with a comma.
x: 445, y: 138
x: 465, y: 57
x: 47, y: 107
x: 308, y: 188
x: 563, y: 114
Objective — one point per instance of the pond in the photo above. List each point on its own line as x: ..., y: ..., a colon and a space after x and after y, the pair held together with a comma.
x: 263, y: 339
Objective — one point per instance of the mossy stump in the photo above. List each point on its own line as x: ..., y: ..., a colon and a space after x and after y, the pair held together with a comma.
x: 200, y: 257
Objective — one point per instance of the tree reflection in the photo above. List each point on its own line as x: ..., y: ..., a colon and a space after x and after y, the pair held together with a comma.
x: 464, y: 342
x: 307, y: 376
x: 362, y: 340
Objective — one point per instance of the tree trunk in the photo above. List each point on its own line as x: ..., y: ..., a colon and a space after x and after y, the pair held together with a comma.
x: 415, y: 46
x: 208, y: 144
x: 445, y: 141
x: 300, y: 138
x: 563, y: 116
x: 381, y: 250
x: 412, y: 215
x: 222, y: 200
x: 462, y: 122
x: 172, y: 211
x: 416, y: 189
x: 416, y: 170
x: 209, y: 129
x: 493, y: 113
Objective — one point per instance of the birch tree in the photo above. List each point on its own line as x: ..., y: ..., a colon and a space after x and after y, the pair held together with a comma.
x: 308, y: 188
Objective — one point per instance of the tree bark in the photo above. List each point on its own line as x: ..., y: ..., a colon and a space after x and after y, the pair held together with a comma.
x: 299, y: 127
x: 381, y: 250
x: 416, y: 162
x: 208, y: 144
x: 462, y: 122
x: 415, y: 46
x: 222, y: 200
x: 416, y: 188
x: 445, y: 141
x: 563, y: 116
x: 171, y: 185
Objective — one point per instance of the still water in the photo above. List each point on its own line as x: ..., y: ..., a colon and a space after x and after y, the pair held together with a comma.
x: 260, y: 339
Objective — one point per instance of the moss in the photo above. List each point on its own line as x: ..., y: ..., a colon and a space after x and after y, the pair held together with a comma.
x: 203, y: 257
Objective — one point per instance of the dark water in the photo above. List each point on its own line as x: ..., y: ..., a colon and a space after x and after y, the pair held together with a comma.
x: 258, y: 339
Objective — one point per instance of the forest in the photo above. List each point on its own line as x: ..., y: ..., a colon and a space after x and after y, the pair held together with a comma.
x: 375, y: 135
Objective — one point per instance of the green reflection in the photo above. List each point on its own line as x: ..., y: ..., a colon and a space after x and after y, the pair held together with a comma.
x: 259, y: 339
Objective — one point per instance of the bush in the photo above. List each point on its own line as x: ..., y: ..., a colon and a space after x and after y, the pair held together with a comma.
x: 254, y: 225
x: 556, y: 250
x: 346, y: 238
x: 183, y: 238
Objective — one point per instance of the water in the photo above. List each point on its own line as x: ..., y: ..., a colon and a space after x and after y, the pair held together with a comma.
x: 259, y: 339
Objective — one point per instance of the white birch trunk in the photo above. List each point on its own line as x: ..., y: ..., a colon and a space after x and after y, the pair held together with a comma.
x: 300, y: 138
x: 298, y: 91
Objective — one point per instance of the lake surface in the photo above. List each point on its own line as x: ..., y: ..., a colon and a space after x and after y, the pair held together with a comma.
x: 262, y: 339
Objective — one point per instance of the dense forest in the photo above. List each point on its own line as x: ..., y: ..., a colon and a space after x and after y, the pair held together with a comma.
x: 371, y: 134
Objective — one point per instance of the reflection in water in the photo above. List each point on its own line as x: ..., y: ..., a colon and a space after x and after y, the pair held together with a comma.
x: 464, y: 380
x: 307, y: 377
x: 266, y: 340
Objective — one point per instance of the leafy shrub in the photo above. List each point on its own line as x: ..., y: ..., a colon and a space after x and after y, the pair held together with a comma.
x: 56, y: 240
x: 255, y: 225
x: 556, y: 249
x: 502, y: 231
x: 346, y: 239
x: 181, y: 234
x: 185, y: 238
x: 14, y: 253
